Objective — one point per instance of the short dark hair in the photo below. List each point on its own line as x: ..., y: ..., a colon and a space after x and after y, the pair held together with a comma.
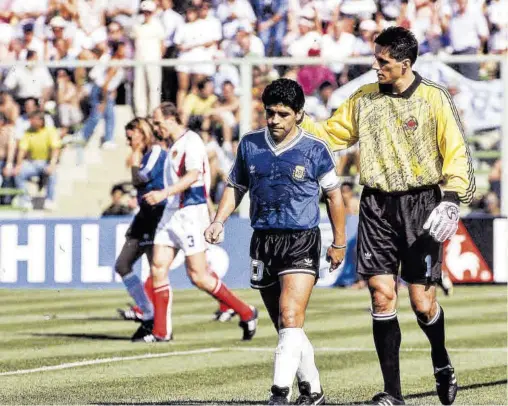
x: 284, y: 91
x: 168, y: 109
x: 402, y: 43
x: 202, y: 83
x: 324, y: 85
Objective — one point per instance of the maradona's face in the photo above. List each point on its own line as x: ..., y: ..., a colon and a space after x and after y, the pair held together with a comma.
x: 388, y: 69
x: 281, y: 120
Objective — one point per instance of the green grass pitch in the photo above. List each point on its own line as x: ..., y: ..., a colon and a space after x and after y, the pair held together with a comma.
x: 69, y: 347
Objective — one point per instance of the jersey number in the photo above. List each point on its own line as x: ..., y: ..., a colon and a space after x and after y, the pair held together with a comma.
x: 190, y: 241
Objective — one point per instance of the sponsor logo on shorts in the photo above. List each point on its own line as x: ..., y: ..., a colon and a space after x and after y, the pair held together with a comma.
x: 307, y: 261
x: 368, y: 255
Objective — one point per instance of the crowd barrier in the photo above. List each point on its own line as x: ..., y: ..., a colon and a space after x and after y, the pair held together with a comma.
x: 80, y: 253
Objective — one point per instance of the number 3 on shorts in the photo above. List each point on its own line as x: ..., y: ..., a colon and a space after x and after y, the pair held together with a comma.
x: 256, y: 270
x: 190, y: 241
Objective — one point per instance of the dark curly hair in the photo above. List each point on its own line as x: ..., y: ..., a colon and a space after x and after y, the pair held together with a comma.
x: 286, y: 92
x: 402, y: 43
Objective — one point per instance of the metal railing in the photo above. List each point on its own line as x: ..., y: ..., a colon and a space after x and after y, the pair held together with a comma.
x: 245, y: 66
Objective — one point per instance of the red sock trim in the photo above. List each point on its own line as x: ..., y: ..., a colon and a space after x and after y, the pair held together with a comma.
x: 149, y: 288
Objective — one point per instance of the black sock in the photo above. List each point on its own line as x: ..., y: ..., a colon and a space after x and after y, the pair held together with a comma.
x: 435, y: 332
x: 387, y: 338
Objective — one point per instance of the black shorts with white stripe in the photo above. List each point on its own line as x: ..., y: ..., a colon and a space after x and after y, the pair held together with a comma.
x: 279, y: 252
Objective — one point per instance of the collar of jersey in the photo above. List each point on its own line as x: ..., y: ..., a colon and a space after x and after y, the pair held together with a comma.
x: 279, y: 150
x: 406, y: 94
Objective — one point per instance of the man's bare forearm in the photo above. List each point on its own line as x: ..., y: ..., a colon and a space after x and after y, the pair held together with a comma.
x: 229, y: 202
x: 337, y: 215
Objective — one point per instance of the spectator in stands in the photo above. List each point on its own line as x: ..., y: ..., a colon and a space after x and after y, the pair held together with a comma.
x: 122, y: 12
x: 92, y: 16
x: 468, y: 32
x: 23, y: 122
x: 117, y: 207
x: 492, y: 205
x: 198, y: 106
x: 272, y: 24
x: 103, y: 95
x: 38, y: 153
x: 358, y: 9
x: 317, y: 106
x: 149, y: 47
x: 233, y: 13
x: 497, y: 17
x: 7, y: 151
x: 311, y: 77
x: 67, y: 99
x: 339, y: 43
x: 364, y: 46
x: 306, y: 38
x: 9, y: 108
x: 172, y: 23
x: 31, y: 43
x: 30, y: 81
x: 226, y: 113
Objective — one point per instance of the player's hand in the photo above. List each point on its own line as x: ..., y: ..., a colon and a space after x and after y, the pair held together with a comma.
x: 214, y: 234
x: 335, y: 256
x: 155, y: 196
x: 443, y: 221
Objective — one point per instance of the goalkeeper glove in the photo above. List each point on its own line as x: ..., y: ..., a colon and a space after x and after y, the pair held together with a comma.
x: 443, y: 221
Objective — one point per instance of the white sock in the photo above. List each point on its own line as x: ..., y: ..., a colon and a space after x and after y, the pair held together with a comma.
x: 137, y: 292
x: 287, y: 357
x: 307, y: 371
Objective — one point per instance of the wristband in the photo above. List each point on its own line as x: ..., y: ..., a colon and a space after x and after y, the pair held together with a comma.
x: 338, y: 247
x: 219, y: 222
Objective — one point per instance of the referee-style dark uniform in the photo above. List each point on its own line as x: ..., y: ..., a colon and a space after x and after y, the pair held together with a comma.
x: 412, y: 148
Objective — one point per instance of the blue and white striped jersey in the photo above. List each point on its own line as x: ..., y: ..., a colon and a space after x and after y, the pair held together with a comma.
x: 151, y: 171
x: 284, y: 182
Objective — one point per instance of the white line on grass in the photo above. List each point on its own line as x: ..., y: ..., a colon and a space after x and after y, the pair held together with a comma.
x: 216, y: 349
x: 108, y: 361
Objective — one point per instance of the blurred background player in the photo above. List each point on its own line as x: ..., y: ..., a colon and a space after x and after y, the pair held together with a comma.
x: 147, y: 165
x: 182, y: 226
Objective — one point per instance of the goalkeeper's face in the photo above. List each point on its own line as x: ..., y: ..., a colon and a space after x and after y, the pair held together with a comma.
x: 388, y: 69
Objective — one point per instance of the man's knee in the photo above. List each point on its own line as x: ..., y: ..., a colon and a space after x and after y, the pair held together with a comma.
x: 424, y: 308
x: 122, y: 266
x: 384, y: 298
x: 159, y: 270
x: 197, y: 278
x: 290, y: 317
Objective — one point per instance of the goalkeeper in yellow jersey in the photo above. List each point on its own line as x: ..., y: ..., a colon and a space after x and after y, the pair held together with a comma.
x: 416, y: 168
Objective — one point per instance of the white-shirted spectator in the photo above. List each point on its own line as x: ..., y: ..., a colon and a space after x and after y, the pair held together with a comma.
x: 358, y: 8
x: 308, y: 37
x: 245, y: 43
x: 338, y: 44
x: 67, y: 99
x: 212, y: 26
x: 232, y: 13
x: 30, y: 81
x: 317, y: 106
x: 122, y: 11
x: 148, y: 47
x: 328, y: 11
x: 191, y: 41
x: 30, y: 11
x: 31, y: 42
x: 468, y: 31
x: 171, y: 21
x: 497, y: 15
x: 92, y: 14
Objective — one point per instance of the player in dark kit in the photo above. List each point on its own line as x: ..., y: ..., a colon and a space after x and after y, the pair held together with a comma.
x: 284, y: 168
x: 147, y: 166
x: 416, y: 168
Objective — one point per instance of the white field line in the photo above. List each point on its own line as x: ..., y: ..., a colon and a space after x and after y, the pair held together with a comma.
x: 78, y: 364
x: 108, y: 361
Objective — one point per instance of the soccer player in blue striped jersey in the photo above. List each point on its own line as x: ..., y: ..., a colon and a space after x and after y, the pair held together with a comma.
x: 284, y: 168
x: 147, y: 165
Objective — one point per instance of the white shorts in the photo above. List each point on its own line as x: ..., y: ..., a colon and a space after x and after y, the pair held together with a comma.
x: 184, y: 229
x: 196, y: 54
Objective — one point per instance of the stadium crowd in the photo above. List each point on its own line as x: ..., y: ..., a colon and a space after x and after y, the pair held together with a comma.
x: 42, y: 109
